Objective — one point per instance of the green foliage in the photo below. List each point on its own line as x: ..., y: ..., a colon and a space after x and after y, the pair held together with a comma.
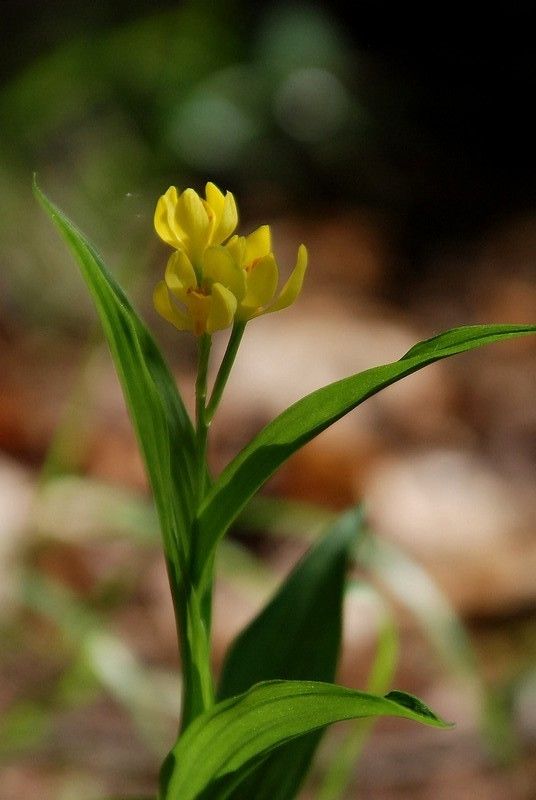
x: 297, y: 634
x: 314, y: 413
x: 295, y: 637
x: 275, y: 690
x: 164, y: 430
x: 342, y: 767
x: 225, y: 741
x: 166, y: 438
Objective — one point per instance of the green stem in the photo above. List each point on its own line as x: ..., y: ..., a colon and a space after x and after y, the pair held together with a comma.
x: 198, y: 683
x: 202, y: 422
x: 193, y: 603
x: 225, y: 368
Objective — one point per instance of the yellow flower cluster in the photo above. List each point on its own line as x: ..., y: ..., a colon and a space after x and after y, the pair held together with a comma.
x: 214, y: 277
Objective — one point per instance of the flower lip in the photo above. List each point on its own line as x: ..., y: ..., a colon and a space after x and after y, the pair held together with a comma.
x: 201, y: 291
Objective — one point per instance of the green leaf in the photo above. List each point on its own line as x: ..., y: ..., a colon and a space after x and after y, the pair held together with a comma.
x: 314, y: 413
x: 161, y: 422
x: 167, y: 441
x: 466, y: 338
x: 236, y: 733
x: 296, y: 636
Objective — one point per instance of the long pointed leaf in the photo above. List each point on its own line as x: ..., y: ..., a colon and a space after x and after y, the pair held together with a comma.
x: 295, y: 637
x: 309, y: 416
x: 161, y: 422
x: 234, y: 734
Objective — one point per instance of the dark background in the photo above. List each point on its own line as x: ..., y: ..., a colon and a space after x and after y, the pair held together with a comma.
x: 448, y: 144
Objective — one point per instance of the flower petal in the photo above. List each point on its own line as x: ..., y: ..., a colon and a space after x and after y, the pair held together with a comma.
x: 191, y: 215
x: 225, y: 213
x: 258, y: 244
x: 219, y: 266
x: 180, y: 274
x: 237, y: 247
x: 262, y: 281
x: 215, y: 198
x: 164, y: 218
x: 164, y: 306
x: 293, y: 286
x: 222, y: 308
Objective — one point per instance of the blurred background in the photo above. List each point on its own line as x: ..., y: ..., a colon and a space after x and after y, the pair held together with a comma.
x: 402, y: 154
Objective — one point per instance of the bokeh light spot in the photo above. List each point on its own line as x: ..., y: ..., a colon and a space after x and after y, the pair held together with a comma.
x: 311, y: 104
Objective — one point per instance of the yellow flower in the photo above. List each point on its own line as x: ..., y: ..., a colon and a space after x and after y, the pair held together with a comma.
x: 188, y: 222
x: 254, y: 255
x: 210, y: 282
x: 201, y: 306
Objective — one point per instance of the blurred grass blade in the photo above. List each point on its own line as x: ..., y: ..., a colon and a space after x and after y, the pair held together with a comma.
x: 296, y: 636
x: 223, y: 743
x: 314, y: 413
x: 415, y: 589
x: 163, y: 427
x: 343, y: 763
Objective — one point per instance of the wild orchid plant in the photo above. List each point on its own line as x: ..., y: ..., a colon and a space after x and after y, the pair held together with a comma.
x: 253, y: 735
